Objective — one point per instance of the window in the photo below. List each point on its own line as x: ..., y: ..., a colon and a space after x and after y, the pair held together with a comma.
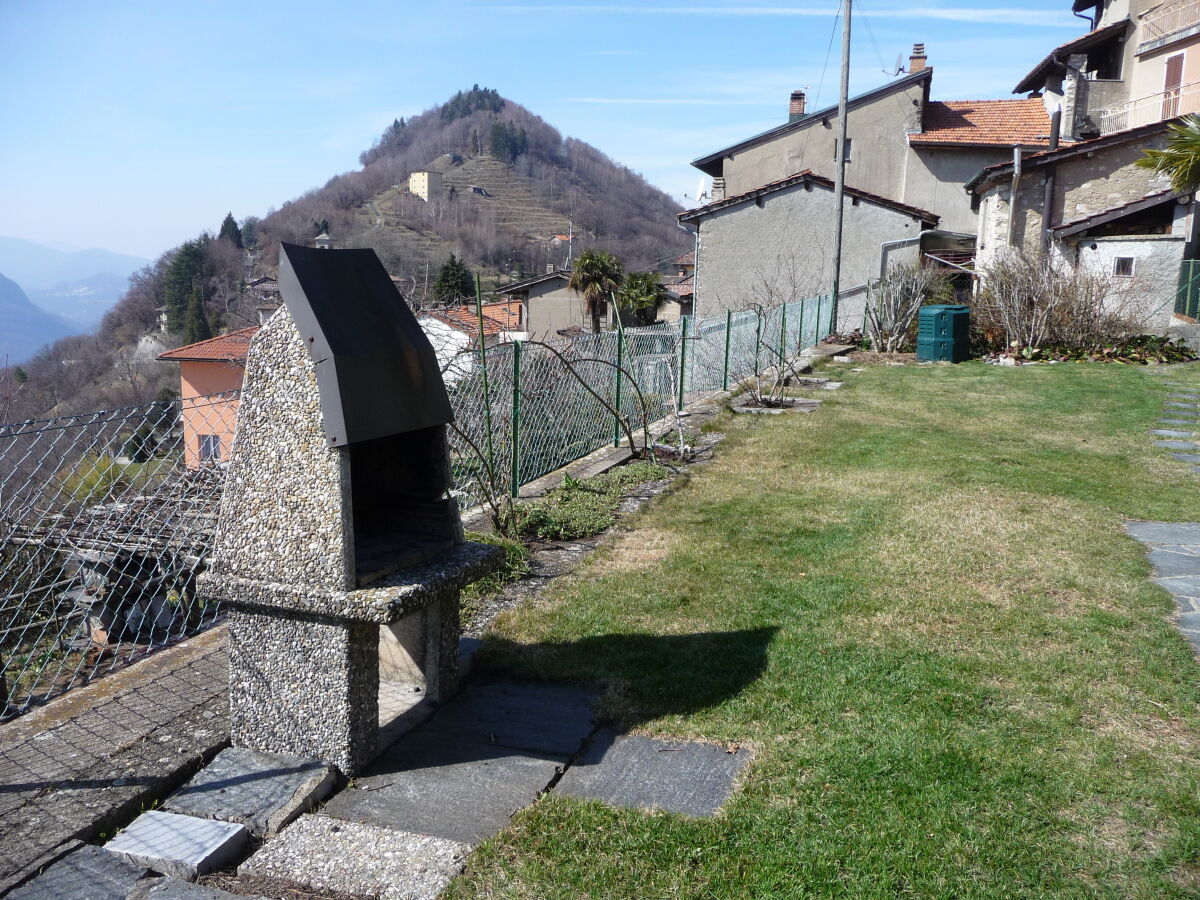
x: 210, y: 447
x: 849, y: 150
x: 1123, y: 267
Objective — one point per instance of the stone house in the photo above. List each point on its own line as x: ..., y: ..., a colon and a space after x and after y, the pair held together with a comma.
x: 1087, y: 203
x: 454, y: 330
x: 550, y: 307
x: 773, y: 243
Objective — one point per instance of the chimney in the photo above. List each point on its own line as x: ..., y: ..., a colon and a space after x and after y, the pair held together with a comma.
x: 796, y: 106
x: 918, y: 61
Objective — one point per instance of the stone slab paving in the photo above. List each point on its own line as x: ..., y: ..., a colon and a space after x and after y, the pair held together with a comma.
x: 183, y: 846
x: 93, y: 757
x: 263, y: 791
x: 325, y: 854
x: 460, y: 790
x: 1187, y: 457
x: 687, y: 778
x: 1191, y: 421
x: 1176, y: 404
x: 1175, y: 555
x: 1171, y: 433
x: 88, y: 872
x: 1177, y: 445
x: 543, y: 719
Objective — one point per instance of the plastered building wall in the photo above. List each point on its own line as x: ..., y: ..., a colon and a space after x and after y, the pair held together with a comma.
x: 934, y: 181
x: 1151, y: 289
x: 782, y: 250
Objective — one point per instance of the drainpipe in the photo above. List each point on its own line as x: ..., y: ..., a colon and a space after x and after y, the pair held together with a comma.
x: 889, y: 245
x: 1012, y: 199
x: 1048, y: 197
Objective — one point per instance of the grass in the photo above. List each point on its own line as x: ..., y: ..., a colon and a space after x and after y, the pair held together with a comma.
x: 919, y: 609
x: 581, y: 508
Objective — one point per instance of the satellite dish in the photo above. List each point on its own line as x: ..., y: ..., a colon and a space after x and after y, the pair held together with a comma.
x: 898, y: 68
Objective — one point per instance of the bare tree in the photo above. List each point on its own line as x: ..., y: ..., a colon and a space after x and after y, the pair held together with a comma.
x: 894, y: 301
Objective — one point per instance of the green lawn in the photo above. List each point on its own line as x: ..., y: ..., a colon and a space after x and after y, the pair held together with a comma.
x: 917, y: 606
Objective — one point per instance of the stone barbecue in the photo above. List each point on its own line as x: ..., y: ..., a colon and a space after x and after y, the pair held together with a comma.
x: 339, y: 549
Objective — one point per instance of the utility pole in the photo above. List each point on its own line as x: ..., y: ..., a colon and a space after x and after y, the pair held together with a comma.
x: 839, y: 185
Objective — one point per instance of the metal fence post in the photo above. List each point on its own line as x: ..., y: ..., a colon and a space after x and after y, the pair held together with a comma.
x: 817, y: 335
x: 617, y: 391
x: 516, y: 420
x: 728, y: 338
x: 487, y: 394
x: 800, y: 330
x: 757, y: 340
x: 683, y: 333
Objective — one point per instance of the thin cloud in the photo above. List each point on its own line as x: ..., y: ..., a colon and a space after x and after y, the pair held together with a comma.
x: 983, y: 15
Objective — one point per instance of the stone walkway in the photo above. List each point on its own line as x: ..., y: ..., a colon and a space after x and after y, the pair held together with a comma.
x: 92, y: 758
x: 1174, y: 547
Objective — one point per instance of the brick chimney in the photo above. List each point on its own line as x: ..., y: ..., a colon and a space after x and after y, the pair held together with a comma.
x: 918, y: 61
x: 796, y: 106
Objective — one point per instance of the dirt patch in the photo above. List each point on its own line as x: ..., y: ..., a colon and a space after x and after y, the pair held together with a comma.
x: 871, y: 358
x: 1117, y: 832
x: 635, y: 551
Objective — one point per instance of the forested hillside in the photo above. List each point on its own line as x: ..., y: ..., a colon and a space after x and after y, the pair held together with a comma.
x: 510, y: 183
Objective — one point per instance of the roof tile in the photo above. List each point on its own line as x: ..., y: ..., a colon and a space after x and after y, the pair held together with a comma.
x: 230, y: 347
x: 988, y: 122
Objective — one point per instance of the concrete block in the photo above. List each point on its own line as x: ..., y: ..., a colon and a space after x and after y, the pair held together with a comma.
x: 325, y: 854
x: 687, y: 778
x: 89, y: 872
x: 432, y: 784
x: 263, y: 791
x: 183, y: 846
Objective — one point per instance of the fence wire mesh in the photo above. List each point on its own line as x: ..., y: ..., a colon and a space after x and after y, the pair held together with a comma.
x: 106, y: 519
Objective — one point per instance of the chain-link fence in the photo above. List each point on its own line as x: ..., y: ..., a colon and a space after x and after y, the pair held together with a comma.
x: 526, y: 408
x: 106, y: 518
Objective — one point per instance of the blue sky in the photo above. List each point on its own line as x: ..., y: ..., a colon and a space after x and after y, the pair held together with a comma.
x: 133, y: 126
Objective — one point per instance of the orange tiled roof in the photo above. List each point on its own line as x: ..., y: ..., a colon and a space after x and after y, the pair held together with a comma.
x: 230, y: 347
x: 686, y: 259
x: 497, y: 317
x: 988, y: 122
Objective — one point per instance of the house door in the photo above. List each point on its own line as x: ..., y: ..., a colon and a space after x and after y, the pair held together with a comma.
x: 1171, y: 86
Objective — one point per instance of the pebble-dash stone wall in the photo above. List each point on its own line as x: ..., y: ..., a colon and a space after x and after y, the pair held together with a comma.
x: 304, y: 642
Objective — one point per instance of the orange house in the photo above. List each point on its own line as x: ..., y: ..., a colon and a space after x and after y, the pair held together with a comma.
x: 208, y: 371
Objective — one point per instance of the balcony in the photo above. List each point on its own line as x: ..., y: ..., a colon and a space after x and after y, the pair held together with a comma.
x: 1148, y: 110
x: 1171, y: 22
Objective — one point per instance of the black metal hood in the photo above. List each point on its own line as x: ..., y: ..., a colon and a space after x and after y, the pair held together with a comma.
x: 377, y: 373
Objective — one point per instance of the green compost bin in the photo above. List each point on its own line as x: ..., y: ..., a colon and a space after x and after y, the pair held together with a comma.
x: 944, y: 334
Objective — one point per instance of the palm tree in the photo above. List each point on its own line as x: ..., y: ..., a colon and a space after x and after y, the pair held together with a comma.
x: 1181, y: 158
x: 642, y: 294
x: 596, y: 275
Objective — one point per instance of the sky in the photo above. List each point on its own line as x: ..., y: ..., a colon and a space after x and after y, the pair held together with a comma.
x: 133, y: 126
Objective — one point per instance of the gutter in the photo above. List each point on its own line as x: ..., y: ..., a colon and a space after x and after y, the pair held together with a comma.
x: 891, y: 245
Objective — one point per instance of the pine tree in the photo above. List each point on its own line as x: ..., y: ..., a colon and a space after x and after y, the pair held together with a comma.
x: 231, y: 232
x: 195, y: 325
x: 182, y: 277
x: 454, y: 282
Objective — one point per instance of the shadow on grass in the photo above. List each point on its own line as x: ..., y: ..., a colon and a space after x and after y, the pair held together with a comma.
x: 640, y: 676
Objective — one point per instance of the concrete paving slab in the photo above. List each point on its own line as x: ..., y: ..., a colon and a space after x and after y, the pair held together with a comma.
x: 1192, y: 421
x: 1186, y: 457
x: 263, y: 791
x: 542, y: 718
x: 1170, y: 565
x: 1177, y: 404
x: 1171, y: 433
x: 1165, y: 532
x: 687, y: 778
x: 325, y: 854
x: 89, y: 872
x: 1177, y: 445
x: 1189, y: 396
x: 431, y: 784
x: 183, y: 846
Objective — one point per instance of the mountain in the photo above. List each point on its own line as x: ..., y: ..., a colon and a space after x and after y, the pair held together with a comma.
x: 509, y: 184
x: 83, y: 302
x: 35, y: 266
x: 26, y: 327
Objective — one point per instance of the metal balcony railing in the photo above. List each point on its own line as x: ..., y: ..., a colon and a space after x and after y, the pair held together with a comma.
x: 1172, y: 17
x: 1147, y: 110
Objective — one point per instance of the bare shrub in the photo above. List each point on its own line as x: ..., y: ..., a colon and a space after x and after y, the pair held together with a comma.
x: 895, y: 300
x: 1032, y: 303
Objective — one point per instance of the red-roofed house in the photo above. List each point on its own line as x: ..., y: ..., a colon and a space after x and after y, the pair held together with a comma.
x: 454, y: 330
x: 207, y: 368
